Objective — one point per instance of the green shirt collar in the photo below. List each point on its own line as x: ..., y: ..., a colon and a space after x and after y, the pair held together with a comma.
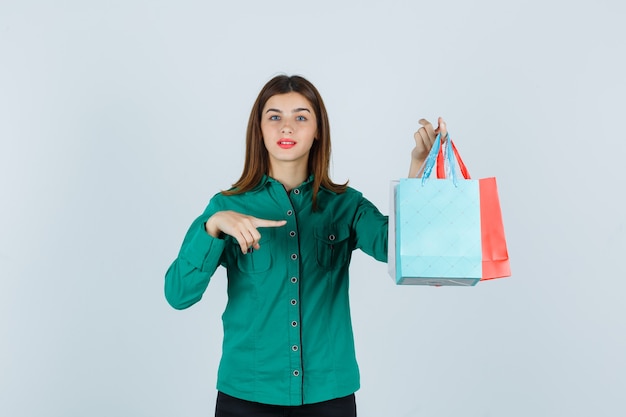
x: 267, y: 180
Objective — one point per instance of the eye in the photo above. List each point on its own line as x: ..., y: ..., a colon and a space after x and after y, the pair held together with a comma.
x: 274, y: 117
x: 301, y: 118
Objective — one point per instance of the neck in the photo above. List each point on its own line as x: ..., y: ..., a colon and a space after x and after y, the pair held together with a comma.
x: 289, y: 175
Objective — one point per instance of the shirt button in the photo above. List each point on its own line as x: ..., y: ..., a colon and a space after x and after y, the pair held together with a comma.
x: 292, y: 233
x: 289, y: 212
x: 294, y: 280
x: 296, y: 191
x: 294, y: 324
x: 294, y: 257
x: 294, y: 348
x: 331, y: 237
x: 296, y: 373
x: 294, y: 302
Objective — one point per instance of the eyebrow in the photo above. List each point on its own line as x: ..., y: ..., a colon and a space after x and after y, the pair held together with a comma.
x: 299, y: 109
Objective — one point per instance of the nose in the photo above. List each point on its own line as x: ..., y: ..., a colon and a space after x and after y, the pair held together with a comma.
x: 286, y: 129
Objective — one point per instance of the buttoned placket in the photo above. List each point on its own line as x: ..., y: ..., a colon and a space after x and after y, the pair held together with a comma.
x: 293, y: 294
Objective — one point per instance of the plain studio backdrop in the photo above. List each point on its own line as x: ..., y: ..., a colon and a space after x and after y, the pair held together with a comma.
x: 120, y: 119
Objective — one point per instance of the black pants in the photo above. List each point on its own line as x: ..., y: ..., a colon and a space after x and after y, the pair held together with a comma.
x: 228, y: 406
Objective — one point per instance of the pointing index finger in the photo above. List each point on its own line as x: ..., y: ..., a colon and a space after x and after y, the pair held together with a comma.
x: 269, y: 223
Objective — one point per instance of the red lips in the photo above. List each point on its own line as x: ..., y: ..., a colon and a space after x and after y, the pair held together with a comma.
x: 286, y: 143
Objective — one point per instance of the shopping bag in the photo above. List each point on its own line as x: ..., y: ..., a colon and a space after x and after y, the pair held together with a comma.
x: 448, y: 230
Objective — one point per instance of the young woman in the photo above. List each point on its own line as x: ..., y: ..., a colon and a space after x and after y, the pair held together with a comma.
x: 285, y: 233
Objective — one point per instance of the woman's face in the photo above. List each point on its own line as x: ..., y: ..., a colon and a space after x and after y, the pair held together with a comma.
x: 289, y: 127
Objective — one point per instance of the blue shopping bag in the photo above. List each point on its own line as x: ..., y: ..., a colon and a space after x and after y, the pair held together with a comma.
x: 437, y: 232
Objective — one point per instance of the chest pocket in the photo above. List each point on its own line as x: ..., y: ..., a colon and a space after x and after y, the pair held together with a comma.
x: 256, y: 260
x: 332, y: 245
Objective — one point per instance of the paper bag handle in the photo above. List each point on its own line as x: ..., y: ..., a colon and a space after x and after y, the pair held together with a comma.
x: 436, y: 157
x: 441, y: 172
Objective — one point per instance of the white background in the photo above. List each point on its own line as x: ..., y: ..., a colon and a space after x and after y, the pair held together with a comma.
x: 120, y: 119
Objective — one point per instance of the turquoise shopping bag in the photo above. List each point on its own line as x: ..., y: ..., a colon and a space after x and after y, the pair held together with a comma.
x: 437, y: 232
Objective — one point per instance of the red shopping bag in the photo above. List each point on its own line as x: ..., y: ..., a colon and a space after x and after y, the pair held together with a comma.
x: 495, y: 255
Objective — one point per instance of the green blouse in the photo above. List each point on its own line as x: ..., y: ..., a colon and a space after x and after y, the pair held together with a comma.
x: 287, y: 329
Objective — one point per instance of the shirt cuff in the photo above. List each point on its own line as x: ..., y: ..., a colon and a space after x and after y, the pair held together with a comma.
x: 203, y: 250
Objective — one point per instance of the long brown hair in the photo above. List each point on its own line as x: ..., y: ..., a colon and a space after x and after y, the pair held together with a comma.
x: 257, y: 159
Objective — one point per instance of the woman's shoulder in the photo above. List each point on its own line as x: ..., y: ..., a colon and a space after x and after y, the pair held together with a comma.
x: 350, y: 192
x: 347, y: 194
x: 231, y: 196
x: 224, y: 196
x: 220, y: 201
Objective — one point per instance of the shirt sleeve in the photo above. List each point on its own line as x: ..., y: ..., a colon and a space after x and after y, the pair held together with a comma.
x: 200, y: 254
x: 371, y: 230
